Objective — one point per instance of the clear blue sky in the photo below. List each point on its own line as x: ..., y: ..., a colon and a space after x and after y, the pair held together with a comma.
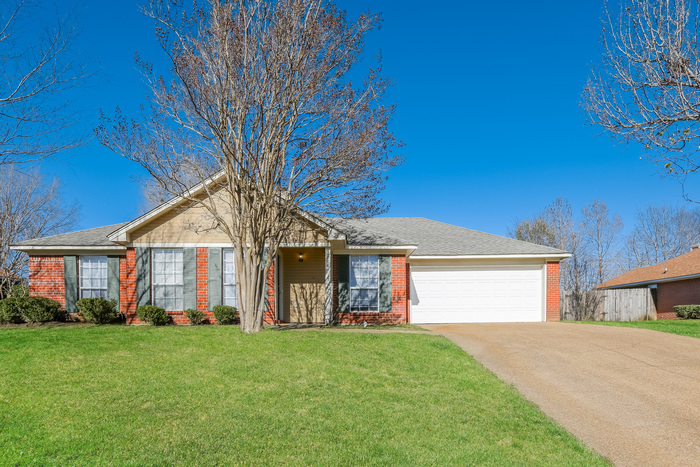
x: 487, y: 98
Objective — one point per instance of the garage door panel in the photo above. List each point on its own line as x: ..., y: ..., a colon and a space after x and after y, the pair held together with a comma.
x: 476, y: 294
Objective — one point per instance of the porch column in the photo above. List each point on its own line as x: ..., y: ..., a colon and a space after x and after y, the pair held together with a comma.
x: 329, y: 286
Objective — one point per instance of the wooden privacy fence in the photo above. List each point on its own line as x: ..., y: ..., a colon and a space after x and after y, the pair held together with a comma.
x: 609, y: 305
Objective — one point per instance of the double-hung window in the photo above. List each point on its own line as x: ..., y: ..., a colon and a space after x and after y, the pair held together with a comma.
x: 93, y: 276
x: 230, y: 297
x: 167, y: 278
x: 364, y: 283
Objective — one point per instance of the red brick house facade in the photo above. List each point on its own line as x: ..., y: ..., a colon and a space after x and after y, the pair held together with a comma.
x: 345, y: 271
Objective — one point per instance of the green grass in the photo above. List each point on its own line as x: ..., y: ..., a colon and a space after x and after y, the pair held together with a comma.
x: 123, y: 395
x: 689, y: 327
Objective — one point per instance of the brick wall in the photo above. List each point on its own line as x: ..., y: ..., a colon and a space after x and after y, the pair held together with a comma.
x: 203, y: 284
x: 46, y: 278
x: 553, y: 310
x: 669, y: 294
x: 269, y: 315
x: 127, y: 286
x: 399, y: 297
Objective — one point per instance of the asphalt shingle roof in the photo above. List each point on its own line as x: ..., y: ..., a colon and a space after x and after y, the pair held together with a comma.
x: 680, y: 266
x: 433, y: 238
x: 89, y: 237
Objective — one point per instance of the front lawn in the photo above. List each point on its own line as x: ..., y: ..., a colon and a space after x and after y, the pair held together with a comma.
x: 685, y: 327
x: 127, y: 395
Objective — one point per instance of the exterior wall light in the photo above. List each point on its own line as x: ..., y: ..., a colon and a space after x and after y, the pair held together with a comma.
x: 301, y: 257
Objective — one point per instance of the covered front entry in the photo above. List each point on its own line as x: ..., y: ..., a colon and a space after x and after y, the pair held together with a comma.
x: 301, y: 285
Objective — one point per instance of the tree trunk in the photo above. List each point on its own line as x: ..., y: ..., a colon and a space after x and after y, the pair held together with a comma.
x: 251, y: 284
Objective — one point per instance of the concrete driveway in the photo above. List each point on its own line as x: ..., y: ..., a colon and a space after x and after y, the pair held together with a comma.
x: 633, y: 395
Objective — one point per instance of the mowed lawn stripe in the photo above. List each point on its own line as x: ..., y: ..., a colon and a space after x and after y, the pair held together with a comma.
x: 205, y: 395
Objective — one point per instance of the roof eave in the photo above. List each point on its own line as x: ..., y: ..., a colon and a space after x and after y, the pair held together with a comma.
x: 34, y: 248
x: 651, y: 282
x: 557, y: 256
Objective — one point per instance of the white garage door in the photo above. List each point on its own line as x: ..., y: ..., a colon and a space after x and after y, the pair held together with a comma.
x: 471, y: 294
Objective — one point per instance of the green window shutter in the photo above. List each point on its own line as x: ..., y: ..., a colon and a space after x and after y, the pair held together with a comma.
x: 189, y: 273
x: 70, y: 281
x: 384, y: 283
x: 343, y: 283
x: 214, y: 277
x: 113, y: 279
x: 143, y: 276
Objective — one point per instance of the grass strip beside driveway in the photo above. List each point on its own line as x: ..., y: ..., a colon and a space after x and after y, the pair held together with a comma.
x: 211, y: 395
x: 686, y: 327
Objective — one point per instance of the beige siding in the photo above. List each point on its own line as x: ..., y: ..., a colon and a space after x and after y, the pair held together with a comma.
x: 303, y: 285
x: 194, y: 224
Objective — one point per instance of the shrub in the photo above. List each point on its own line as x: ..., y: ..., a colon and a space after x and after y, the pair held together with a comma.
x: 98, y: 310
x: 195, y: 316
x: 19, y: 290
x: 687, y: 311
x: 11, y: 310
x: 42, y: 309
x: 153, y: 315
x: 225, y: 314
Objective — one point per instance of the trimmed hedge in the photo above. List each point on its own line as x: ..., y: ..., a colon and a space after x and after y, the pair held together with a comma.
x: 30, y: 310
x: 687, y: 311
x: 153, y: 315
x: 98, y: 310
x: 11, y: 310
x: 195, y: 316
x: 225, y: 314
x: 42, y: 309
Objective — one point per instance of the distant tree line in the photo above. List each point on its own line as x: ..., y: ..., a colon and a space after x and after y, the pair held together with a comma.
x: 600, y: 249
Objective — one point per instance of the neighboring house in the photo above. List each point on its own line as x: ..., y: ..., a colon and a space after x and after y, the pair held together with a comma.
x: 677, y: 282
x: 385, y: 270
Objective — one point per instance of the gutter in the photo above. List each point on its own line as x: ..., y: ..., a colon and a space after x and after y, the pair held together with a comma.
x: 652, y: 282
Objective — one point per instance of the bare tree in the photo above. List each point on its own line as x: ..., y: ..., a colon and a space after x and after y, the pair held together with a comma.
x: 38, y: 67
x: 648, y: 88
x: 537, y: 230
x: 601, y: 234
x: 29, y: 208
x: 259, y: 107
x: 553, y: 227
x: 661, y: 233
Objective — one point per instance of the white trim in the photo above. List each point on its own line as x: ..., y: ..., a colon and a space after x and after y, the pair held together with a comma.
x: 305, y: 245
x: 329, y: 286
x: 75, y: 247
x: 545, y: 273
x: 182, y: 245
x: 381, y: 247
x: 658, y: 281
x: 522, y: 256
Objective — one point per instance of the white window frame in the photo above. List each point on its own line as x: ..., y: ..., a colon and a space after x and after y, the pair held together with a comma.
x: 358, y: 288
x: 167, y: 281
x: 86, y: 263
x: 228, y: 298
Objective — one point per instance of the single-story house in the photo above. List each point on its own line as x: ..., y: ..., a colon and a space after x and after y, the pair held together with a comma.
x: 349, y: 271
x: 677, y: 282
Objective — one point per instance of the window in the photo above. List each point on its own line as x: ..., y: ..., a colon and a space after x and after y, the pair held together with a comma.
x: 229, y: 271
x: 93, y: 276
x: 167, y: 279
x: 364, y: 283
